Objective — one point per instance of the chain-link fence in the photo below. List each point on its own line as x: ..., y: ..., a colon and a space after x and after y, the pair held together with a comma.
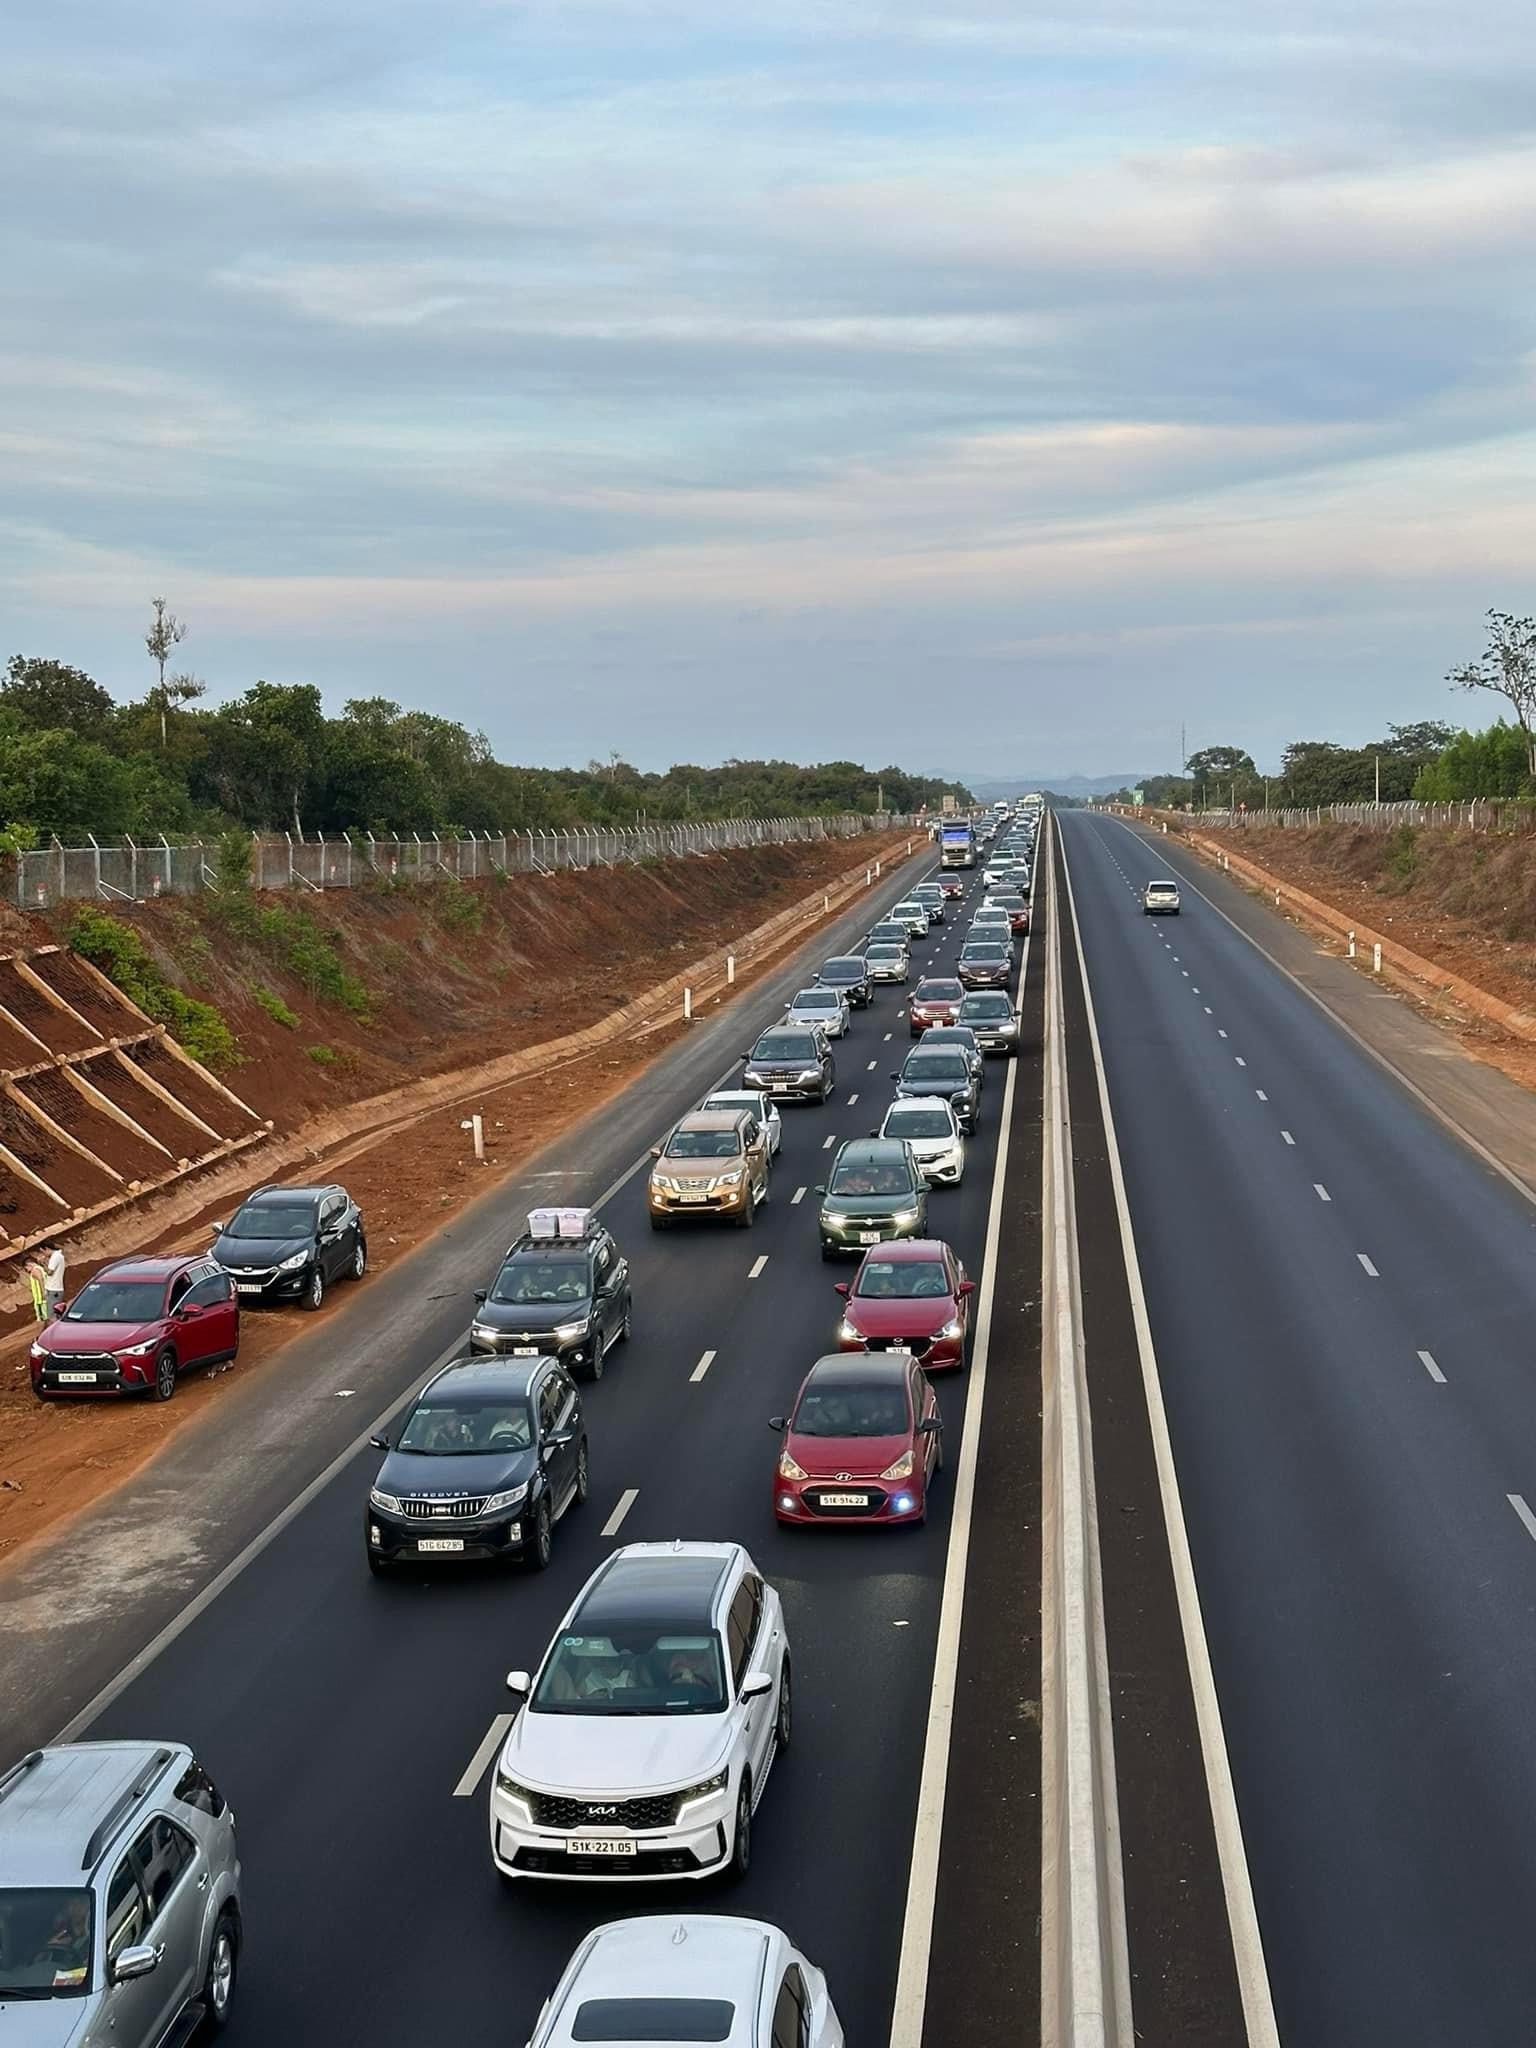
x: 1480, y: 815
x: 126, y: 871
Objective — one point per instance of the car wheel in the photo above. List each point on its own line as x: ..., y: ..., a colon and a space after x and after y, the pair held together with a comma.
x: 741, y: 1844
x: 223, y: 1966
x: 359, y: 1264
x: 938, y: 1441
x: 165, y: 1374
x: 598, y: 1359
x: 747, y: 1215
x: 541, y: 1546
x: 783, y: 1726
x: 627, y: 1329
x: 314, y: 1292
x: 378, y: 1566
x: 583, y: 1475
x: 660, y: 1222
x: 827, y: 1254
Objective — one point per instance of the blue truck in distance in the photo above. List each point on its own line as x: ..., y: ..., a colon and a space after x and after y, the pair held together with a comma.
x: 957, y: 843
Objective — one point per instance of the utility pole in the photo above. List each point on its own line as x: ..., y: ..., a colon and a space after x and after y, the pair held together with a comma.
x: 1183, y: 748
x: 1378, y: 778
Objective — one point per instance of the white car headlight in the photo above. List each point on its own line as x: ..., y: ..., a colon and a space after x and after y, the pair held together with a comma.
x: 846, y: 1329
x: 511, y: 1789
x: 788, y: 1469
x: 509, y: 1499
x: 292, y: 1265
x: 811, y: 1074
x: 902, y: 1469
x: 903, y: 1215
x: 137, y: 1350
x: 705, y: 1789
x: 387, y: 1501
x: 566, y: 1331
x: 488, y: 1331
x: 729, y: 1180
x: 953, y: 1328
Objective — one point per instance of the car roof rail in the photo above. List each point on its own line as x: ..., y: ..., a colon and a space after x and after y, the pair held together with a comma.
x: 14, y: 1776
x: 122, y: 1806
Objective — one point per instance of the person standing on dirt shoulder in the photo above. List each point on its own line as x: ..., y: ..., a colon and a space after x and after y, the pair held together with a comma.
x: 53, y: 1281
x: 39, y: 1298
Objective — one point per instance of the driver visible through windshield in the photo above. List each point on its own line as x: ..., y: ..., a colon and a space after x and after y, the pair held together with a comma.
x: 647, y: 1670
x: 540, y: 1280
x: 265, y: 1221
x: 459, y: 1429
x: 45, y: 1942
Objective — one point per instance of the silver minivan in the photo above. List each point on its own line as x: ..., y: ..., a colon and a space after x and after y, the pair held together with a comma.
x: 119, y: 1898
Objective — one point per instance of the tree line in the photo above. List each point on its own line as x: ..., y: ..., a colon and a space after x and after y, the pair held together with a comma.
x: 1430, y: 761
x: 74, y: 762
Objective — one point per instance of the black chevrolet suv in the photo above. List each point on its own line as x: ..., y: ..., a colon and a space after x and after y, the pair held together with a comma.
x: 490, y: 1456
x: 565, y: 1298
x: 289, y: 1244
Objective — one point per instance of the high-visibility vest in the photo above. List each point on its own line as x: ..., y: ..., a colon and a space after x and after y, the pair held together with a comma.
x: 39, y: 1300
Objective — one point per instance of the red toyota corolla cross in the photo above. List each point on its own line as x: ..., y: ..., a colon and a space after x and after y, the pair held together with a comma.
x: 136, y: 1327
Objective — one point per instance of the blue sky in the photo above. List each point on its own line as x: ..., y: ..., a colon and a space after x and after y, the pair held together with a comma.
x: 982, y: 388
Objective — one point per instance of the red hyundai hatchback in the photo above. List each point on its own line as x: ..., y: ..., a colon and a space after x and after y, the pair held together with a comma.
x: 862, y: 1444
x: 909, y: 1295
x: 933, y: 1001
x: 135, y: 1327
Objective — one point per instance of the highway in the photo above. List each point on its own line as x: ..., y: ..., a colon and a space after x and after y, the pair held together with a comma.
x: 352, y: 1721
x: 1341, y: 1298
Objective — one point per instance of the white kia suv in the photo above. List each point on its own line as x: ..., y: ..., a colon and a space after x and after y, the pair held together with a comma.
x: 646, y: 1736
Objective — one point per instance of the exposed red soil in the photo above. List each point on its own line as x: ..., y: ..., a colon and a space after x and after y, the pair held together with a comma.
x: 192, y: 1087
x: 94, y: 1129
x: 534, y: 985
x: 45, y: 1020
x: 64, y: 973
x: 181, y: 1139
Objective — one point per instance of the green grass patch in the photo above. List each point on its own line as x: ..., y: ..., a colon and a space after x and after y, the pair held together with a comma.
x: 322, y: 1055
x: 296, y: 942
x: 125, y: 960
x: 275, y: 1007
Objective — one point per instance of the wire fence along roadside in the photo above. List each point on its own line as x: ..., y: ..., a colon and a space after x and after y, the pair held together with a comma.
x: 1481, y: 814
x: 129, y: 872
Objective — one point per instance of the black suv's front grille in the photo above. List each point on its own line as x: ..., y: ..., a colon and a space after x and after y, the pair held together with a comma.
x: 552, y: 1812
x: 457, y: 1509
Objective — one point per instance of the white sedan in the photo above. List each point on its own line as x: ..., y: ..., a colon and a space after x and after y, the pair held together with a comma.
x: 690, y: 1977
x: 646, y: 1736
x: 827, y: 1007
x: 763, y: 1107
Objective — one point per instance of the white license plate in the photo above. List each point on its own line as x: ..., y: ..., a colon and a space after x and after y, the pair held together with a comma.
x: 525, y: 1350
x: 599, y: 1845
x: 869, y: 1237
x: 77, y: 1379
x: 845, y: 1500
x: 693, y: 1198
x: 434, y: 1543
x: 247, y: 1287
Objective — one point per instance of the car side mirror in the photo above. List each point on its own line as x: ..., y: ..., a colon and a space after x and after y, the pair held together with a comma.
x: 558, y: 1439
x: 755, y: 1684
x: 137, y: 1960
x: 929, y: 1426
x: 895, y: 1077
x: 480, y: 1294
x: 967, y: 1286
x: 380, y: 1443
x: 840, y: 1287
x: 217, y: 1229
x: 520, y: 1682
x: 820, y: 1189
x: 778, y: 1422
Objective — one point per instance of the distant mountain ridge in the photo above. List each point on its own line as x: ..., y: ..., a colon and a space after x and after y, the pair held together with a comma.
x: 989, y: 788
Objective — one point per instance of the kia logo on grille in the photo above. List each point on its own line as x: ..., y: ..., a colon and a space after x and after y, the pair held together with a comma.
x: 601, y: 1812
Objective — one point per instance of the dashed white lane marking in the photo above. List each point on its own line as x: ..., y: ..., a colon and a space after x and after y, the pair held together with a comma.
x: 1429, y: 1365
x: 701, y: 1368
x: 1261, y: 1095
x: 1206, y: 1007
x: 887, y: 1038
x: 1194, y: 991
x: 1517, y: 1502
x: 829, y: 1141
x: 1321, y: 1192
x: 1185, y: 972
x: 627, y: 1500
x: 757, y: 1266
x: 1365, y: 1262
x: 874, y: 1063
x: 1287, y: 1137
x: 797, y: 1197
x: 474, y: 1770
x: 1219, y: 1032
x: 1240, y: 1060
x: 852, y: 1100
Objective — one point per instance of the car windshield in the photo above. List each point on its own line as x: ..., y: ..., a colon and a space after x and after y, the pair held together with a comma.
x: 263, y: 1219
x: 45, y: 1941
x: 886, y: 952
x: 918, y: 1123
x: 1161, y: 887
x: 902, y: 1280
x: 522, y: 1281
x: 938, y: 992
x: 444, y: 1428
x: 647, y: 1668
x: 870, y: 1177
x: 747, y: 1099
x: 703, y: 1145
x: 843, y: 970
x: 984, y: 951
x: 936, y: 1066
x: 117, y: 1301
x: 786, y: 1045
x: 843, y: 1409
x: 985, y: 1009
x: 815, y: 999
x: 627, y: 2020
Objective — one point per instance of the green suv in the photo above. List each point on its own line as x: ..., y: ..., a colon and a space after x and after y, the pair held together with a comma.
x: 875, y: 1191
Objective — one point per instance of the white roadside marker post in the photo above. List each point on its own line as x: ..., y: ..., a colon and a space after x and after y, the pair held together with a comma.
x: 477, y: 1125
x: 687, y: 1005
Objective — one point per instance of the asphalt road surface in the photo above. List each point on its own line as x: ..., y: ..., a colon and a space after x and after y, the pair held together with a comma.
x: 1341, y: 1299
x: 350, y: 1720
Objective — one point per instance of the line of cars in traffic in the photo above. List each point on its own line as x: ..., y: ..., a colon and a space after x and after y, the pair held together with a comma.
x: 642, y: 1742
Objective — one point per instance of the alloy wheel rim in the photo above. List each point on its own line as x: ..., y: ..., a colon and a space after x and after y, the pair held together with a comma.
x: 221, y: 1977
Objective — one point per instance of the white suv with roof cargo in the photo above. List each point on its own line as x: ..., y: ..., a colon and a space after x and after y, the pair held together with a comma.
x: 647, y: 1734
x: 695, y: 1977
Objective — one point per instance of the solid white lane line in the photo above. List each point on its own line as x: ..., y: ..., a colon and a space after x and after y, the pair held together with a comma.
x: 1365, y: 1262
x: 1517, y: 1502
x: 757, y: 1265
x: 829, y: 1141
x: 1287, y: 1137
x: 1322, y: 1193
x: 1242, y: 1915
x: 797, y: 1197
x: 627, y: 1500
x: 701, y: 1368
x: 1431, y: 1368
x: 928, y: 1832
x: 474, y: 1770
x: 1261, y: 1095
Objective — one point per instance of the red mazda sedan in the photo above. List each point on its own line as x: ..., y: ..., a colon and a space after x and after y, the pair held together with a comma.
x: 933, y: 1001
x: 952, y: 885
x: 136, y: 1327
x: 910, y: 1295
x: 862, y: 1444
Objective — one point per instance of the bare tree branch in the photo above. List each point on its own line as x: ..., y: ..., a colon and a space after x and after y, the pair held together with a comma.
x: 1508, y: 670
